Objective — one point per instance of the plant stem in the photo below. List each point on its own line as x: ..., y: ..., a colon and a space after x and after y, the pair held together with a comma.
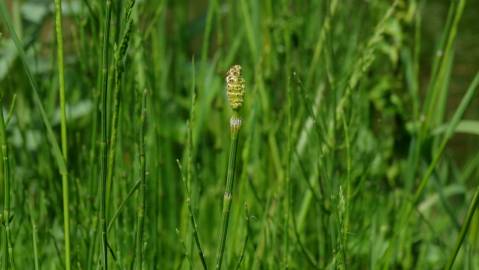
x: 194, y: 224
x: 104, y: 132
x: 187, y: 184
x: 465, y: 227
x: 235, y: 126
x: 243, y: 250
x: 119, y: 67
x: 5, y: 176
x: 34, y: 237
x: 141, y: 197
x: 345, y: 214
x: 61, y: 80
x: 288, y: 202
x: 206, y: 36
x: 122, y: 204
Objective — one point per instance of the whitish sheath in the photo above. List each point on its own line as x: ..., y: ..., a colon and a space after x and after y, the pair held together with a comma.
x: 235, y: 86
x: 61, y: 81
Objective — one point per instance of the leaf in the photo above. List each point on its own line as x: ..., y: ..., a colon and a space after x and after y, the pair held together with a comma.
x: 465, y: 126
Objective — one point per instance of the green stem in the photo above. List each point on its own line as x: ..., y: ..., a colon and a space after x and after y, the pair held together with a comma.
x: 288, y: 202
x: 192, y: 217
x: 189, y: 173
x: 61, y: 80
x: 206, y: 36
x: 243, y: 249
x: 34, y: 238
x: 467, y: 222
x: 104, y: 132
x: 187, y: 184
x: 347, y: 197
x: 141, y: 197
x: 5, y: 176
x: 113, y: 131
x: 119, y: 66
x: 122, y: 205
x: 235, y: 126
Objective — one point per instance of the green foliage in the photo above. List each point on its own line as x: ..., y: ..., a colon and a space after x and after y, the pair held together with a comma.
x: 358, y: 143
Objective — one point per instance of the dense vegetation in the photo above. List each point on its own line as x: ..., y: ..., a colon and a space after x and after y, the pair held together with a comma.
x: 355, y: 146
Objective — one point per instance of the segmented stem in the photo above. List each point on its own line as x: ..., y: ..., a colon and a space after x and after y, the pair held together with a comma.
x: 5, y: 176
x: 104, y: 133
x: 142, y: 191
x: 61, y: 80
x: 235, y: 126
x: 465, y: 227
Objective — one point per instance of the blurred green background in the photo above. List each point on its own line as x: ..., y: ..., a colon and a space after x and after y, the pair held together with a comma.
x: 334, y: 145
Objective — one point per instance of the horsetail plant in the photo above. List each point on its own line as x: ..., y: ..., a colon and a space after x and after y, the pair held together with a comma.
x: 187, y: 180
x: 5, y: 176
x: 119, y: 68
x: 235, y: 90
x: 104, y: 132
x: 142, y: 190
x: 61, y: 81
